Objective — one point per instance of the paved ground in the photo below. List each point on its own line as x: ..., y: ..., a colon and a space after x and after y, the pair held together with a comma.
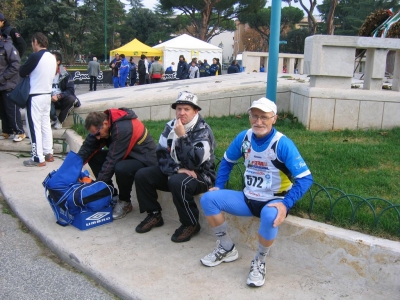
x: 136, y: 266
x: 29, y: 270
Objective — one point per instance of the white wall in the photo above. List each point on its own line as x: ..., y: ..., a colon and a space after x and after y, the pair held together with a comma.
x: 226, y: 38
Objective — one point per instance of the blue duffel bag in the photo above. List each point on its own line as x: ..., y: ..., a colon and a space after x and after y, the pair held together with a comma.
x: 69, y: 196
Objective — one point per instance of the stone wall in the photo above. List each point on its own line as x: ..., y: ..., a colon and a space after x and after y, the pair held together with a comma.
x: 316, y: 108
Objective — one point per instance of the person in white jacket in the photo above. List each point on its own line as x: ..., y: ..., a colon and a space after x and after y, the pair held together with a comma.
x: 194, y: 71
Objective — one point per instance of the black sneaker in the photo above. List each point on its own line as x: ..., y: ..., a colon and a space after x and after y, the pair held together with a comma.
x: 184, y: 233
x: 152, y: 220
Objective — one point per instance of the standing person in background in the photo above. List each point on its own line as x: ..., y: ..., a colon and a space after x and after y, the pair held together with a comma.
x: 202, y: 70
x: 207, y: 67
x: 214, y: 68
x: 233, y: 68
x: 194, y: 71
x: 123, y: 71
x: 132, y: 71
x: 40, y: 67
x: 156, y: 70
x: 183, y: 68
x: 62, y: 94
x: 148, y: 65
x: 114, y: 65
x: 9, y: 113
x: 18, y: 41
x: 94, y: 71
x: 142, y: 69
x: 219, y: 67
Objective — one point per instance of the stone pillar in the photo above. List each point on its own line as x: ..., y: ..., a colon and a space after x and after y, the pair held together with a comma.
x: 300, y: 65
x: 280, y: 65
x: 329, y: 64
x: 396, y: 73
x: 266, y: 63
x: 374, y: 68
x: 290, y: 67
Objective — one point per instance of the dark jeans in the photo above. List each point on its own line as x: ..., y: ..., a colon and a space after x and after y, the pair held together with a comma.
x: 93, y: 79
x: 181, y: 186
x: 125, y: 171
x: 10, y: 115
x: 142, y: 79
x: 65, y: 105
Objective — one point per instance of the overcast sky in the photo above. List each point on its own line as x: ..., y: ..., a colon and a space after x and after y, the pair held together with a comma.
x: 151, y: 3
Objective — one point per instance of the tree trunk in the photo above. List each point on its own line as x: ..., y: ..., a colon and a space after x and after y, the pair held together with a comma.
x: 312, y: 23
x: 329, y: 20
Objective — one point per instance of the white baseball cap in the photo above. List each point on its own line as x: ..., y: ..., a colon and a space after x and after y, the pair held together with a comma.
x: 264, y: 104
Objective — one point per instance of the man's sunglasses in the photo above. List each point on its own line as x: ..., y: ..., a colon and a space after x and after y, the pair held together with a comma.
x: 97, y: 132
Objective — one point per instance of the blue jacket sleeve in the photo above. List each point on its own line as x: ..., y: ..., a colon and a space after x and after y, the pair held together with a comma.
x: 299, y: 188
x: 224, y: 171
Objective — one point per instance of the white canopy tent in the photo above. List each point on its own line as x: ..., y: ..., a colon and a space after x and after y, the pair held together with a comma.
x: 189, y: 47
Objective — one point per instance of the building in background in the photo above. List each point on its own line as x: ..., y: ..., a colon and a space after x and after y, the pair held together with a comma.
x: 225, y: 41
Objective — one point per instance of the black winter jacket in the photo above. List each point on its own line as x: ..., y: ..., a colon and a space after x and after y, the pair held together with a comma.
x: 190, y: 150
x: 128, y: 138
x: 9, y: 65
x: 17, y: 39
x: 182, y: 70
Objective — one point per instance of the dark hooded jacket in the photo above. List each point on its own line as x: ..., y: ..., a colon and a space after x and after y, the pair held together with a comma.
x: 129, y: 138
x: 17, y: 39
x: 9, y: 65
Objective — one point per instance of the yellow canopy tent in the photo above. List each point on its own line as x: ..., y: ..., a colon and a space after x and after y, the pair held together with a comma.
x: 136, y: 48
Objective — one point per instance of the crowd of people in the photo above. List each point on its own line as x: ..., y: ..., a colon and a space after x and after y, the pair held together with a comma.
x: 183, y: 161
x: 152, y: 71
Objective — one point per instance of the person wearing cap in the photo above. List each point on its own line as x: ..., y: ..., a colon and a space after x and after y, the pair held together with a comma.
x: 272, y: 163
x: 7, y: 29
x: 185, y: 168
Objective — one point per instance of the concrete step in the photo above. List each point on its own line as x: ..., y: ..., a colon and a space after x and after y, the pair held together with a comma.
x: 9, y: 145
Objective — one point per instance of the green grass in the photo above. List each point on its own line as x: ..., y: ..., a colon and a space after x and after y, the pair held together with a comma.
x: 365, y: 164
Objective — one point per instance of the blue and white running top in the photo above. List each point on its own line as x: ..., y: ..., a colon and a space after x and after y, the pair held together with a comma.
x: 271, y: 164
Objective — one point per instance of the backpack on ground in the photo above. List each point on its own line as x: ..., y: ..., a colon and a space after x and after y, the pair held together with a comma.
x: 71, y: 192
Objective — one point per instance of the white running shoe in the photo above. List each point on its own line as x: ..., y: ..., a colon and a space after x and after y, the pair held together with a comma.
x: 257, y: 274
x: 219, y: 255
x: 57, y: 125
x: 19, y: 137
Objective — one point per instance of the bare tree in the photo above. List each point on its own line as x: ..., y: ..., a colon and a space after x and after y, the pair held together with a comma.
x: 312, y: 23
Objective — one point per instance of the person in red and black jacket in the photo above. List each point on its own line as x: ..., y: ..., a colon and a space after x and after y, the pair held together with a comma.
x: 130, y: 147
